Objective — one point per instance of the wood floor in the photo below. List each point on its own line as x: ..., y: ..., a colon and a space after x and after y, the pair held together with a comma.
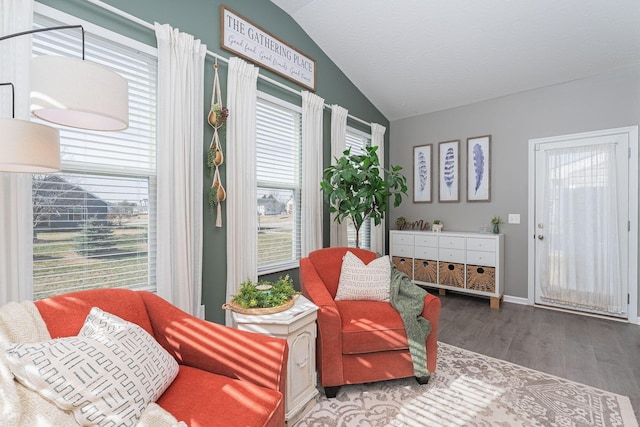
x: 598, y: 352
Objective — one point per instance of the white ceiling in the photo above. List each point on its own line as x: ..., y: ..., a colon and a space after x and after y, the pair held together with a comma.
x: 411, y: 57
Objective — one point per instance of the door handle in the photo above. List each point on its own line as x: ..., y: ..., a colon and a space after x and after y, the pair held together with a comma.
x: 540, y: 237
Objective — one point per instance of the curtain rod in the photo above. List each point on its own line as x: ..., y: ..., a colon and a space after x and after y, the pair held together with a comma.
x: 145, y: 24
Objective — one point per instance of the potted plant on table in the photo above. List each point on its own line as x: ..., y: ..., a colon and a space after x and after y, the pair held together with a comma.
x: 496, y: 221
x: 358, y: 187
x: 263, y: 297
x: 437, y: 225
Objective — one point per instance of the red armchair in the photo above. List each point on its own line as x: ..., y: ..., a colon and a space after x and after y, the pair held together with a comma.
x: 227, y: 377
x: 359, y: 341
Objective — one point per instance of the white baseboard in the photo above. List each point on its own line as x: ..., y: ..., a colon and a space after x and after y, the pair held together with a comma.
x: 525, y: 301
x: 515, y: 300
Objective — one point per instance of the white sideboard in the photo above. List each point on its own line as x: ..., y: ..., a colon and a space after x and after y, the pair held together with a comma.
x: 298, y: 326
x: 460, y: 261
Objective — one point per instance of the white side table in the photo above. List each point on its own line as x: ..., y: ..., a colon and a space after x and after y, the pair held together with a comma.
x: 298, y: 326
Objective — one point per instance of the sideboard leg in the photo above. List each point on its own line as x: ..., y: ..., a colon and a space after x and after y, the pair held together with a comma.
x: 495, y: 302
x: 442, y: 292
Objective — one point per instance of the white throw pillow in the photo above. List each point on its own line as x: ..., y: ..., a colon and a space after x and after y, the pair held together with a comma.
x: 369, y: 282
x: 106, y: 376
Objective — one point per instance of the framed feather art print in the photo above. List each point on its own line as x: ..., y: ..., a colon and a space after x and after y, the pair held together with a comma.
x: 422, y: 173
x: 449, y: 165
x: 479, y: 169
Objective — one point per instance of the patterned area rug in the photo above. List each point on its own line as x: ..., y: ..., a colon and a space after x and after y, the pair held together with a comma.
x: 470, y: 389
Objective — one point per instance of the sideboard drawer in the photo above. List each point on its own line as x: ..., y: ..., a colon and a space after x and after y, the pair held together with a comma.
x: 429, y: 241
x: 481, y: 258
x: 402, y: 239
x: 402, y: 251
x: 480, y: 244
x: 451, y: 255
x: 426, y: 253
x: 451, y: 242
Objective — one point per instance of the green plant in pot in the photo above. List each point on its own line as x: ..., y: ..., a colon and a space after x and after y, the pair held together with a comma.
x: 496, y: 221
x: 265, y: 294
x: 358, y: 187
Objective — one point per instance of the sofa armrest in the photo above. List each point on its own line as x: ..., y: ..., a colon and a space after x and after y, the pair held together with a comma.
x: 329, y: 343
x: 219, y: 349
x: 431, y: 312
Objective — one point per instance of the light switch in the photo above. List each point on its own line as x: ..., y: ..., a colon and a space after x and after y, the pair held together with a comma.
x: 514, y: 218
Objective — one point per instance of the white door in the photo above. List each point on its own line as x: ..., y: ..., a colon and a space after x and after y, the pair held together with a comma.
x: 581, y: 229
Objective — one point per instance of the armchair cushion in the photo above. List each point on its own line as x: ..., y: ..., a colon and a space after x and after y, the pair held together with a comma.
x: 371, y: 326
x: 200, y: 398
x: 364, y: 282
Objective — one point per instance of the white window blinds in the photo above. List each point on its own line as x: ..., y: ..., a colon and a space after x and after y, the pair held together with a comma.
x: 279, y: 136
x: 94, y: 222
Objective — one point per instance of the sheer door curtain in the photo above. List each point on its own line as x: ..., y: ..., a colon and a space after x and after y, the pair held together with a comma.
x: 580, y: 262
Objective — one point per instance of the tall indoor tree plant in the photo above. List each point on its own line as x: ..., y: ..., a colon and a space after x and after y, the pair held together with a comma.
x: 359, y: 188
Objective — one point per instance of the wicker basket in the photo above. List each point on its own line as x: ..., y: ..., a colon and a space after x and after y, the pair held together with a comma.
x: 259, y: 311
x: 425, y: 270
x: 404, y: 265
x: 481, y: 278
x: 451, y: 274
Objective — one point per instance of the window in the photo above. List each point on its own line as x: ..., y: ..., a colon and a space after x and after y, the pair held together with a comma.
x: 94, y: 222
x: 356, y: 141
x: 279, y: 143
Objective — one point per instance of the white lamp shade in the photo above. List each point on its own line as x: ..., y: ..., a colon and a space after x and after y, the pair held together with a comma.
x: 78, y: 93
x: 28, y: 147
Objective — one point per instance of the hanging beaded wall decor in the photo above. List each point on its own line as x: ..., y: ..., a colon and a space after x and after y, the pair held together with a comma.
x: 217, y: 118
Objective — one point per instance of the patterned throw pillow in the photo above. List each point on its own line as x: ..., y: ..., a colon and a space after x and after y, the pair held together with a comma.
x: 364, y: 282
x: 107, y: 375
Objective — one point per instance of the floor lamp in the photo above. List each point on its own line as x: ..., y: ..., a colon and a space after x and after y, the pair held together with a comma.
x: 67, y: 91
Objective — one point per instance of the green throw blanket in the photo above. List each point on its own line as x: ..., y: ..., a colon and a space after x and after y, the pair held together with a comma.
x: 408, y: 299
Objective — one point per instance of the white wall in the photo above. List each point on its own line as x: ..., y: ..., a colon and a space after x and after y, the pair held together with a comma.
x: 605, y: 101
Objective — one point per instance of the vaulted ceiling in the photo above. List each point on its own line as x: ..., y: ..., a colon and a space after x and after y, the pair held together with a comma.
x: 411, y: 57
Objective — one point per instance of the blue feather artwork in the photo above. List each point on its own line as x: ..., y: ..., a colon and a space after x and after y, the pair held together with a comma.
x: 479, y: 168
x: 478, y: 165
x: 422, y: 171
x: 449, y: 168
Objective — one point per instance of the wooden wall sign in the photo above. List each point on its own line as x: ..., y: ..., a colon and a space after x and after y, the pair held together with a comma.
x: 247, y: 40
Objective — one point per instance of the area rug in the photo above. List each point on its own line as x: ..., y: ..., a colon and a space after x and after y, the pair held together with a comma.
x: 469, y: 389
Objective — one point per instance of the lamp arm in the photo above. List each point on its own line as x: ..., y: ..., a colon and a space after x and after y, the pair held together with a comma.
x: 24, y: 33
x: 40, y: 30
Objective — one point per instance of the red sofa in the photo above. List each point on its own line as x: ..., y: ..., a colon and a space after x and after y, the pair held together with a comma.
x: 227, y: 377
x: 359, y: 341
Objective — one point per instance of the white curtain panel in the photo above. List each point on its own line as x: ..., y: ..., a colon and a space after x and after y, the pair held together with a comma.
x: 312, y: 112
x: 581, y: 258
x: 377, y: 232
x: 242, y: 201
x: 180, y: 168
x: 338, y: 232
x: 16, y: 245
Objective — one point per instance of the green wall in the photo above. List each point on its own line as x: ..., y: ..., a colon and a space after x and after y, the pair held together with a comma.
x: 201, y: 18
